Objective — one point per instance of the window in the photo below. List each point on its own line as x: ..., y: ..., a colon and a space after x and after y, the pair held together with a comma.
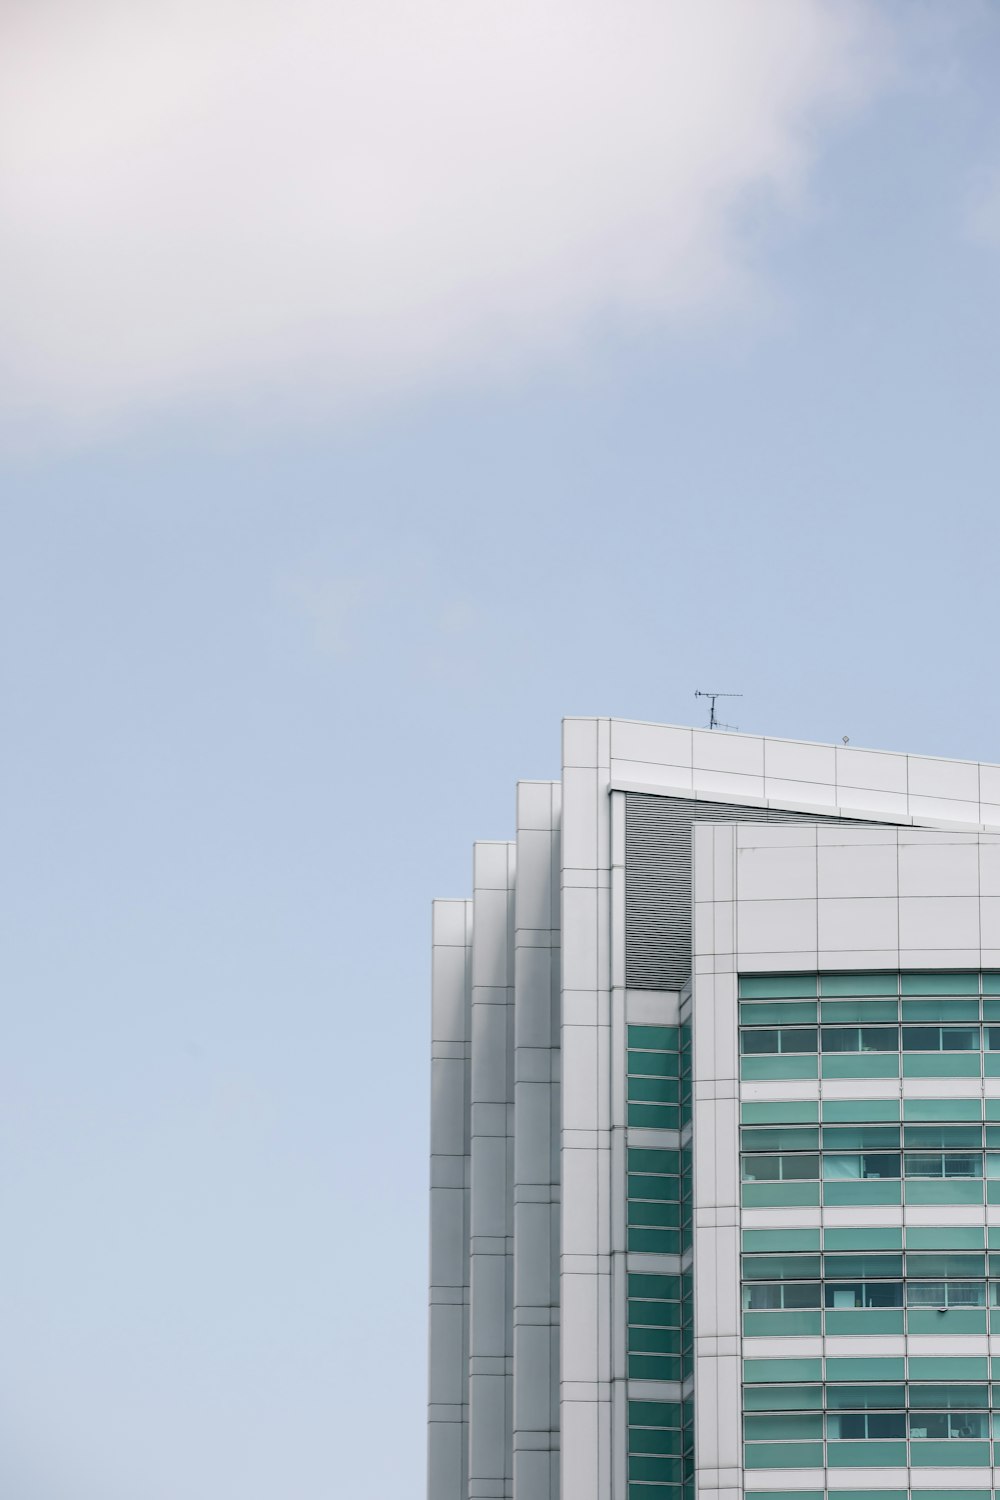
x: 842, y: 1295
x: 943, y: 1163
x: 948, y: 1424
x: 941, y: 1038
x: 946, y: 1294
x: 780, y: 1168
x: 770, y: 1296
x: 860, y: 1038
x: 861, y: 1167
x: 857, y: 1426
x: 779, y: 1039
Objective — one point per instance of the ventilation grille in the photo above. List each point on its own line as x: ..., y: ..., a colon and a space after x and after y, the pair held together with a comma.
x: 658, y: 879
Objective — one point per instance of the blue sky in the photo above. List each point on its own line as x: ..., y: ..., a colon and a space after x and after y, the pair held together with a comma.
x: 331, y: 479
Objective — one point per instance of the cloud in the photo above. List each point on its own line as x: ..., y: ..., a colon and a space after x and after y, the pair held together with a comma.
x: 306, y: 203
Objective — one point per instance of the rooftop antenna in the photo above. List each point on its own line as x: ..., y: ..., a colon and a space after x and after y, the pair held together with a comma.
x: 713, y: 722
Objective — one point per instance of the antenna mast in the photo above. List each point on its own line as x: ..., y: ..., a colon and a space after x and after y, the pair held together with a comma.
x: 713, y: 722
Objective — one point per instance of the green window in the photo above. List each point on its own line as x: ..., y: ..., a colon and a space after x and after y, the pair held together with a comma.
x: 946, y: 1294
x: 859, y: 1038
x: 780, y: 1267
x: 781, y: 1138
x: 944, y: 1137
x: 794, y: 1168
x: 845, y: 1295
x: 943, y: 1164
x: 783, y: 1398
x: 859, y: 984
x: 945, y: 1396
x: 777, y: 986
x: 768, y: 1296
x: 860, y: 1426
x: 786, y: 1427
x: 865, y: 1397
x: 778, y: 1040
x: 945, y: 1264
x: 943, y: 1425
x: 941, y: 1038
x: 859, y: 1166
x: 865, y: 1265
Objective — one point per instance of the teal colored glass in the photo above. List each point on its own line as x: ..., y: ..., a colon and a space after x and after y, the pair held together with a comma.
x: 861, y: 1137
x: 879, y: 1367
x: 781, y: 1267
x: 667, y: 1442
x: 780, y: 1138
x: 863, y: 1265
x: 854, y: 1039
x: 942, y: 1065
x: 934, y: 983
x: 657, y: 1288
x: 865, y: 1397
x: 786, y: 1013
x: 654, y: 1241
x: 947, y: 1011
x: 668, y: 1189
x: 881, y: 1237
x: 783, y: 1455
x: 654, y: 1414
x: 780, y: 1194
x: 783, y: 1398
x: 918, y: 1191
x: 859, y: 984
x: 650, y: 1091
x: 652, y: 1064
x: 754, y: 1069
x: 652, y: 1159
x: 781, y: 1324
x: 850, y: 1194
x: 654, y: 1340
x: 943, y: 1137
x: 929, y: 1110
x: 762, y: 1241
x: 654, y: 1367
x: 777, y: 986
x: 769, y: 1041
x: 776, y: 1371
x: 652, y: 1214
x: 953, y: 1321
x: 863, y: 1012
x: 642, y: 1467
x: 950, y: 1453
x: 783, y: 1426
x: 780, y: 1112
x: 865, y: 1321
x: 654, y: 1116
x: 653, y: 1038
x: 642, y: 1314
x: 860, y: 1065
x: 943, y: 1263
x: 866, y: 1455
x: 944, y: 1237
x: 948, y: 1367
x: 958, y: 1397
x: 941, y: 1038
x: 859, y: 1111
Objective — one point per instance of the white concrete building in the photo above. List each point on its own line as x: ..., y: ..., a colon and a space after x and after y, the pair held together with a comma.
x: 715, y: 1170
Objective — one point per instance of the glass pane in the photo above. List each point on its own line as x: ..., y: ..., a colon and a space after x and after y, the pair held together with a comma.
x: 864, y: 1266
x: 841, y: 1295
x: 944, y: 1137
x: 991, y: 1038
x: 783, y: 1426
x: 944, y: 1265
x: 860, y: 1038
x: 841, y: 1168
x: 762, y: 1169
x: 758, y: 1041
x: 800, y: 1138
x: 866, y: 1138
x: 948, y: 1395
x: 799, y: 1168
x: 960, y: 1039
x: 801, y: 1294
x: 782, y: 1397
x: 946, y: 1294
x: 879, y: 1166
x: 780, y: 1267
x: 864, y: 1397
x: 801, y: 1039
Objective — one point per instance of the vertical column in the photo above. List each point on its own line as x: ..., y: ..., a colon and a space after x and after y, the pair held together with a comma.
x: 585, y: 1262
x: 491, y: 1186
x: 717, y: 1334
x: 536, y: 1144
x: 447, y: 1433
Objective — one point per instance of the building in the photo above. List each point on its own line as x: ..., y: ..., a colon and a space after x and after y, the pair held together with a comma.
x: 716, y: 1130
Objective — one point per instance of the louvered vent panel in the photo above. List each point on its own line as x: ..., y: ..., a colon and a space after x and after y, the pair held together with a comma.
x: 658, y: 880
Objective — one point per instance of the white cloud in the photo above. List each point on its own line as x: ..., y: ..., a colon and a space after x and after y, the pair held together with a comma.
x: 319, y: 201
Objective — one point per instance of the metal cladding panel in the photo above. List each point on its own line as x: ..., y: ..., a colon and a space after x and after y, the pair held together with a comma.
x: 658, y: 879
